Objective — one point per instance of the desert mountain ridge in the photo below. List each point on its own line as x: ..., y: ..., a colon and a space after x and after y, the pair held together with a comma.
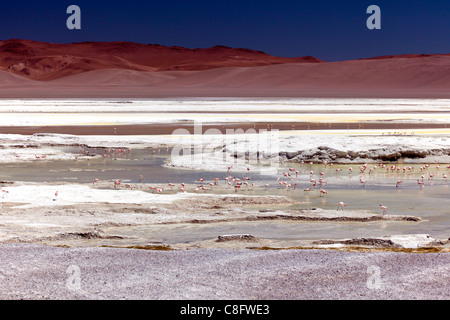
x: 48, y: 61
x: 31, y: 69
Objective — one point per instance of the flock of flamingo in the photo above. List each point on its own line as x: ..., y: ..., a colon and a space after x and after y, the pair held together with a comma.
x: 291, y: 178
x: 287, y: 179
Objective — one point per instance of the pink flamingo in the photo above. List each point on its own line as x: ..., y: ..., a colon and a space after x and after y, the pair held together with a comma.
x: 399, y: 182
x: 363, y: 182
x: 341, y: 206
x: 323, y: 193
x: 383, y: 208
x: 363, y: 168
x: 4, y: 193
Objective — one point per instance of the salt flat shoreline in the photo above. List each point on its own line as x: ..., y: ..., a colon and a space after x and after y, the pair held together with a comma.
x: 38, y: 272
x: 102, y: 215
x: 337, y: 146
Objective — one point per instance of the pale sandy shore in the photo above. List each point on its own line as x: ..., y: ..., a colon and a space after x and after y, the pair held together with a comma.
x: 39, y: 272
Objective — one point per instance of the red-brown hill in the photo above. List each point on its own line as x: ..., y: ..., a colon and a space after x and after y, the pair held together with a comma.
x: 47, y: 61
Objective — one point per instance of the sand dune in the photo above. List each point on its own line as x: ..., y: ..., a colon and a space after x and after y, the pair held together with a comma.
x: 118, y: 77
x: 396, y: 73
x: 125, y: 69
x: 8, y: 79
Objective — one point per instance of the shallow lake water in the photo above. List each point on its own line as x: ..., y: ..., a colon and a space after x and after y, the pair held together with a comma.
x: 431, y: 202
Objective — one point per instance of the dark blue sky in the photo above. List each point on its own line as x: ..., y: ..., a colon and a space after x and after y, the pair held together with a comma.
x: 329, y: 30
